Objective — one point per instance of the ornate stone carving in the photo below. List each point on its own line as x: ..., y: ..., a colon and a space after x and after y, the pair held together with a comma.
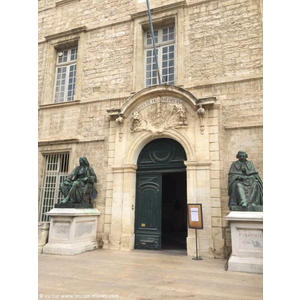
x: 163, y: 113
x: 119, y: 121
x: 201, y: 113
x: 138, y: 124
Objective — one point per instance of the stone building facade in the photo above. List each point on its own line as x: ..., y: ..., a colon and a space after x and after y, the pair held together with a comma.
x: 214, y: 108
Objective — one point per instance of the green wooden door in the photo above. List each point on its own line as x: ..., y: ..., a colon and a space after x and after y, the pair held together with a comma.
x: 157, y: 157
x: 148, y: 212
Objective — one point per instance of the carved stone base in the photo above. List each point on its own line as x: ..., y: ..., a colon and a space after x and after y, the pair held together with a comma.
x: 247, y: 241
x: 72, y: 231
x: 247, y: 208
x: 43, y: 231
x: 245, y: 264
x: 73, y: 205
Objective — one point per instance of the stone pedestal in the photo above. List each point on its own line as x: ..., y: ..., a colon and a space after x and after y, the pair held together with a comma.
x: 72, y: 231
x: 247, y: 241
x: 43, y: 231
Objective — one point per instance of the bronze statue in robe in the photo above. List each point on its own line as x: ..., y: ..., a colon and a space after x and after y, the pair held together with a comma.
x: 79, y: 183
x: 245, y: 188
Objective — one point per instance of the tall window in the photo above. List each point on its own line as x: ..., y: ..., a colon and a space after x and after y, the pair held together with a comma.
x: 164, y: 41
x: 65, y: 75
x: 56, y: 170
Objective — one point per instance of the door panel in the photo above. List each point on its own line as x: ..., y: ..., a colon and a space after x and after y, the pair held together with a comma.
x: 148, y: 212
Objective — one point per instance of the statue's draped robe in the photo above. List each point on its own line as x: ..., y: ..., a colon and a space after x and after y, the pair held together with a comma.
x: 251, y: 184
x: 84, y: 188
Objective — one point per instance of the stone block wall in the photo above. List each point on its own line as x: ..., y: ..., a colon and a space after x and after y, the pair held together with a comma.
x: 224, y: 40
x: 107, y: 63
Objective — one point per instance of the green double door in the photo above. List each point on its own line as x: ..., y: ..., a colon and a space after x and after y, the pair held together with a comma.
x: 159, y: 157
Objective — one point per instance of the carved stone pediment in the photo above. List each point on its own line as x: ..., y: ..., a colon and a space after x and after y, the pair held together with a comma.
x: 158, y: 108
x: 157, y: 114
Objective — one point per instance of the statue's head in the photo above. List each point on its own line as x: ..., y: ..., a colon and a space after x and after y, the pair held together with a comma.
x: 83, y: 161
x: 242, y: 155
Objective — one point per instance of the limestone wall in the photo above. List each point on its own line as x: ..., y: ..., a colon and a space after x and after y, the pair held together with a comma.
x: 223, y: 39
x: 107, y: 62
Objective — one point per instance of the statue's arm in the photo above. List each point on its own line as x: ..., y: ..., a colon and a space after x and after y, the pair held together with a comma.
x: 71, y: 175
x: 259, y: 181
x: 92, y: 176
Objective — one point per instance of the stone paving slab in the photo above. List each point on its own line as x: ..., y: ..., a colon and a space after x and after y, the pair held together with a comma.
x: 142, y: 275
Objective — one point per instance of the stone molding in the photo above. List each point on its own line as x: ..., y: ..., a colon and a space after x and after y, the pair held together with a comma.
x: 242, y: 126
x: 198, y: 165
x: 69, y: 141
x: 73, y: 212
x: 159, y: 9
x: 154, y: 91
x: 66, y: 33
x: 60, y: 141
x: 61, y: 2
x: 146, y: 137
x: 245, y: 216
x: 224, y: 80
x: 60, y: 104
x: 128, y: 168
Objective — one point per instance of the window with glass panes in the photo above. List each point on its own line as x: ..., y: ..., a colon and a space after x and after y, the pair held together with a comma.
x: 65, y: 75
x: 55, y: 171
x: 165, y: 47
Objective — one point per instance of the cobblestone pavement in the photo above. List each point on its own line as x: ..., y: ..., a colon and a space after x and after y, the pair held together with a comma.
x: 143, y: 275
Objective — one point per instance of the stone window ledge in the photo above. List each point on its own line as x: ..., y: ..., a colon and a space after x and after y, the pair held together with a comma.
x: 61, y: 2
x: 56, y: 142
x: 59, y: 104
x: 243, y: 126
x: 66, y: 33
x: 159, y: 9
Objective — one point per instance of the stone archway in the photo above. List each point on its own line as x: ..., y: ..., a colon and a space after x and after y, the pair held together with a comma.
x: 155, y: 113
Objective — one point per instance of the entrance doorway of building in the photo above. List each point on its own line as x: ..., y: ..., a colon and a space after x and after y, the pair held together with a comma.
x: 174, y: 214
x: 161, y: 198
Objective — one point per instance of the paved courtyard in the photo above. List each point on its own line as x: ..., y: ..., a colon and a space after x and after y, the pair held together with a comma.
x: 143, y: 275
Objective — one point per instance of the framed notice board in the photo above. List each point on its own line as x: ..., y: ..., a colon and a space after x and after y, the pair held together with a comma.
x: 195, y: 217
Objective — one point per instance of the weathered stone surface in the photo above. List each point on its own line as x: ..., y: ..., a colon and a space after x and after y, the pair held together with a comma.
x: 247, y: 242
x: 72, y: 231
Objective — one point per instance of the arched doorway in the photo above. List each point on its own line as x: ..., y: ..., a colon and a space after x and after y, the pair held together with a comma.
x: 161, y: 196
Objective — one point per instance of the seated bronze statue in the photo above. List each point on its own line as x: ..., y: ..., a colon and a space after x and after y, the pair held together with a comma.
x: 79, y: 185
x: 245, y: 188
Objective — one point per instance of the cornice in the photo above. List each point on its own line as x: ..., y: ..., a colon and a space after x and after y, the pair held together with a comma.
x: 68, y: 141
x: 159, y: 9
x: 65, y: 33
x: 57, y: 142
x: 204, y: 164
x: 61, y: 2
x: 225, y: 80
x: 243, y: 126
